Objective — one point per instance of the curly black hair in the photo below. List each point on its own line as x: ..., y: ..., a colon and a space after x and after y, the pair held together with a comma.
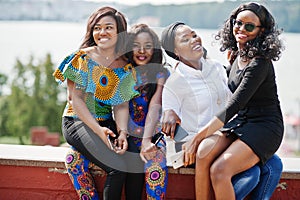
x: 267, y: 44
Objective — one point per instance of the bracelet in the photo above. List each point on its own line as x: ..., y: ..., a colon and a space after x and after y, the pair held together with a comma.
x: 123, y: 130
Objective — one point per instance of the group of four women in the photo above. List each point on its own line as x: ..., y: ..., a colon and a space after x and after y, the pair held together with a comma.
x: 117, y: 87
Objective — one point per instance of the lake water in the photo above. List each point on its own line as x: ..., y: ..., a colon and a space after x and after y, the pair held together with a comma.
x: 22, y: 39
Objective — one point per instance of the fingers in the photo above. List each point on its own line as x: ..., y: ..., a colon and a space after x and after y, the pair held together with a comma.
x: 121, y: 146
x: 148, y: 154
x: 186, y: 159
x: 107, y: 131
x: 173, y: 129
x: 169, y: 120
x: 143, y: 158
x: 189, y: 159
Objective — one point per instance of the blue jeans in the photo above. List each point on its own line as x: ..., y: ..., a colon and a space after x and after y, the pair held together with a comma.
x: 261, y: 179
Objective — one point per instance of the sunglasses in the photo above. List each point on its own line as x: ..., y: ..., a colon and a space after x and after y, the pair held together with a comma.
x: 249, y: 27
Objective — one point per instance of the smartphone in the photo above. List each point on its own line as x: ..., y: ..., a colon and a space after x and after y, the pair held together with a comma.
x: 180, y: 133
x: 157, y: 137
x: 111, y: 141
x: 177, y: 159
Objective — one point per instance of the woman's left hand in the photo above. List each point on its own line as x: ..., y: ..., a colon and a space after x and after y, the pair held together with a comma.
x: 122, y: 144
x: 148, y: 150
x: 189, y: 148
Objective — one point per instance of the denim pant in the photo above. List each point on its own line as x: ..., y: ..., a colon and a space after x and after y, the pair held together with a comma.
x: 261, y: 179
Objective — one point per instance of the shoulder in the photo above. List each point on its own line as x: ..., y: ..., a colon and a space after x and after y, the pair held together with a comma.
x: 176, y: 80
x: 87, y: 50
x: 260, y: 63
x: 215, y: 64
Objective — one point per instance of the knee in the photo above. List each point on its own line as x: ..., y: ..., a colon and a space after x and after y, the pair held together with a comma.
x: 274, y: 164
x: 219, y: 172
x: 204, y: 154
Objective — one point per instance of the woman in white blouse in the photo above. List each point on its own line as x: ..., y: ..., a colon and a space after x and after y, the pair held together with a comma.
x: 195, y: 91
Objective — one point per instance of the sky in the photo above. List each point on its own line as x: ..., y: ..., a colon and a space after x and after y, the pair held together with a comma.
x: 155, y: 2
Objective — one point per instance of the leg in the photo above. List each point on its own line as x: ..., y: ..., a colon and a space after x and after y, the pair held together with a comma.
x: 113, y: 185
x: 157, y: 174
x: 134, y: 186
x: 209, y: 149
x: 270, y: 176
x: 244, y: 182
x: 236, y: 158
x: 78, y: 170
x: 134, y: 183
x: 93, y: 149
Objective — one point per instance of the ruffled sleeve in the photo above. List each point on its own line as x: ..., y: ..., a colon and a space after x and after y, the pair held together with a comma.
x: 74, y: 68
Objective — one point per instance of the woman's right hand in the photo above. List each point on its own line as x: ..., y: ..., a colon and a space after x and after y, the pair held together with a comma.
x: 104, y: 133
x: 169, y: 121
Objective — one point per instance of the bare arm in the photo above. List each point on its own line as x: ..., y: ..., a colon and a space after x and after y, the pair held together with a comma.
x: 121, y: 113
x: 148, y: 150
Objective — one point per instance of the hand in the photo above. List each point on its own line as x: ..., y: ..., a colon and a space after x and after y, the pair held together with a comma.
x: 148, y: 150
x: 189, y: 148
x: 103, y: 133
x: 121, y: 144
x: 169, y: 121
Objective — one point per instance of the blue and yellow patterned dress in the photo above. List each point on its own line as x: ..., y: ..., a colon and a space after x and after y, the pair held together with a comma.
x: 156, y: 171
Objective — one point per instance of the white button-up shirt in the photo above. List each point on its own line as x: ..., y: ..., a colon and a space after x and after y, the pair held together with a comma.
x: 196, y: 95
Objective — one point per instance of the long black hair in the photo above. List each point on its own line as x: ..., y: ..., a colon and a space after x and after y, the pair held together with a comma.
x: 267, y: 44
x: 121, y: 22
x: 154, y: 67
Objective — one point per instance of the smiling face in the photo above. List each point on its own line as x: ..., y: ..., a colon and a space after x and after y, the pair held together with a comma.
x: 142, y: 48
x: 240, y: 33
x: 105, y: 32
x: 188, y: 45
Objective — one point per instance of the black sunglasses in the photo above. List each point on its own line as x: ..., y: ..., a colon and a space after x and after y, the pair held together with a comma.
x: 249, y: 27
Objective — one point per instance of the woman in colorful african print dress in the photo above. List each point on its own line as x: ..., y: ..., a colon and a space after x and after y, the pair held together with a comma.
x: 144, y: 51
x: 97, y: 79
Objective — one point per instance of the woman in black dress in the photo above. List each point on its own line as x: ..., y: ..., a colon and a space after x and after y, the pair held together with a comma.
x: 250, y: 129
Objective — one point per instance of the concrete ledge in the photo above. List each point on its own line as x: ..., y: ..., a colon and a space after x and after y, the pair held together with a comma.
x: 38, y: 172
x: 48, y: 156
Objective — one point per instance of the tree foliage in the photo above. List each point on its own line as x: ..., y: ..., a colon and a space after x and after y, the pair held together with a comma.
x: 211, y: 15
x: 33, y: 100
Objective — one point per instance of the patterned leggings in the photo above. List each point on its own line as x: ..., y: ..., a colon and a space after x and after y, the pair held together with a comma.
x: 156, y: 177
x: 156, y: 174
x: 78, y: 169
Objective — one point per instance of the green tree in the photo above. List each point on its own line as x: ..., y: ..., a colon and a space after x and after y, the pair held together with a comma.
x: 33, y: 100
x: 3, y: 80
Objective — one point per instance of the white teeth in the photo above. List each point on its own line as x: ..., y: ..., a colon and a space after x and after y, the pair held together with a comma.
x: 197, y: 47
x: 103, y: 39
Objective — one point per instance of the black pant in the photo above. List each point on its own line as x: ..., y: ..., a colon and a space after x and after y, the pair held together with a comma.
x: 117, y: 167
